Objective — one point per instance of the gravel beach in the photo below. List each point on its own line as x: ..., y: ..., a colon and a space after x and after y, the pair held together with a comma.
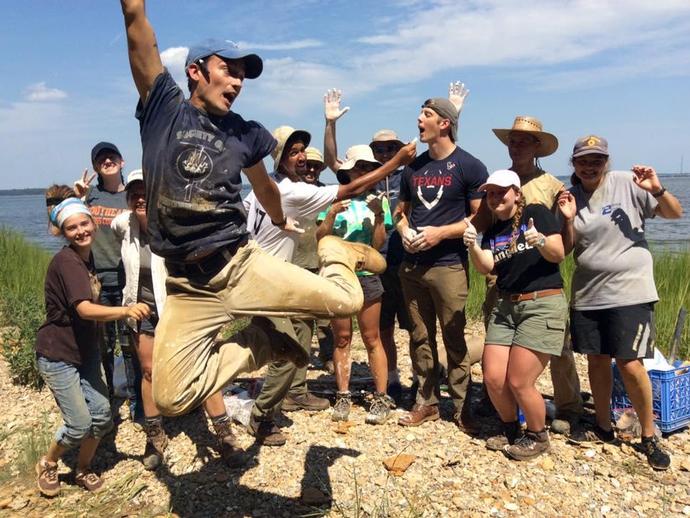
x: 340, y: 472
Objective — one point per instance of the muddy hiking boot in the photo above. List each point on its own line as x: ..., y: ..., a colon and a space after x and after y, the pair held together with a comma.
x: 530, y: 445
x: 266, y: 432
x: 341, y: 408
x: 356, y: 256
x: 380, y: 409
x: 88, y: 480
x: 229, y: 448
x: 420, y: 414
x: 512, y: 431
x: 306, y: 401
x: 47, y: 477
x: 156, y: 443
x: 594, y: 435
x: 656, y: 457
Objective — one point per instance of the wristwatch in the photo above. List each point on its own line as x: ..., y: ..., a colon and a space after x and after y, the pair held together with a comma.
x: 542, y: 242
x: 660, y: 192
x: 280, y: 224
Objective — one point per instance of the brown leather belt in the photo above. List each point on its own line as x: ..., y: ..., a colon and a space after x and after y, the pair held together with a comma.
x: 532, y: 295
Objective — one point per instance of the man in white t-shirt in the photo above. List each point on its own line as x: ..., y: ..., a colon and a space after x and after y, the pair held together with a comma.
x: 301, y: 202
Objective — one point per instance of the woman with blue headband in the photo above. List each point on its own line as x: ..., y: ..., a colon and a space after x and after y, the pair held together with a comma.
x: 66, y: 344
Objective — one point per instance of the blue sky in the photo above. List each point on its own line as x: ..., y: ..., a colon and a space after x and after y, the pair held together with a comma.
x: 614, y: 68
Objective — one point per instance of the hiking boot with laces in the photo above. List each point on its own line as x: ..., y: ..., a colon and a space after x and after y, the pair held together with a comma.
x: 47, y: 477
x: 232, y: 453
x: 529, y: 446
x: 266, y: 432
x: 88, y: 480
x: 511, y: 432
x: 657, y: 458
x: 341, y: 408
x: 306, y: 401
x: 380, y: 409
x: 156, y: 443
x: 595, y: 435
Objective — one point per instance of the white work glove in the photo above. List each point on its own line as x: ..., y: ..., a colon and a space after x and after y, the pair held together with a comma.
x: 470, y: 235
x: 533, y: 236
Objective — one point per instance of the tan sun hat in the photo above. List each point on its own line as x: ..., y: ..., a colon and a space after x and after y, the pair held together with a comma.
x: 386, y: 135
x: 314, y: 154
x: 548, y: 143
x: 354, y: 154
x: 284, y: 133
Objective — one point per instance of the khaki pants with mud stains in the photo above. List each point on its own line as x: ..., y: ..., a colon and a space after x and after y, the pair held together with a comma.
x: 188, y: 364
x: 433, y: 292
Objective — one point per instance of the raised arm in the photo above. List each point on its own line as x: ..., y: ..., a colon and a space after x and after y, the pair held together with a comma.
x: 144, y: 58
x: 646, y: 179
x: 332, y: 112
x: 404, y: 156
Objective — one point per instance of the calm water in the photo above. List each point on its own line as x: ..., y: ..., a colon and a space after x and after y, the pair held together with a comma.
x: 27, y: 214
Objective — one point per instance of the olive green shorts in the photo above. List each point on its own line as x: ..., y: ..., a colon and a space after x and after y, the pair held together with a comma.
x: 538, y: 325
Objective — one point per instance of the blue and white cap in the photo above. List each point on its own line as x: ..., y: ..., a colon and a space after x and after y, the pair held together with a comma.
x: 227, y: 49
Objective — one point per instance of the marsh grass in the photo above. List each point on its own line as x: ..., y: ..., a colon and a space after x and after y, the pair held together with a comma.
x: 23, y: 266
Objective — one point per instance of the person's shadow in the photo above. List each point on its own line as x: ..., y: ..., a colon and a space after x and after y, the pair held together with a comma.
x: 215, y: 490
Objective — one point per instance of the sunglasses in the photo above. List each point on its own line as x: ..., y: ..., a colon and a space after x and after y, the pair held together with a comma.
x: 385, y: 148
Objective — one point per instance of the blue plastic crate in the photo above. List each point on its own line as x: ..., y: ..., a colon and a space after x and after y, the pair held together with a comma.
x: 670, y: 397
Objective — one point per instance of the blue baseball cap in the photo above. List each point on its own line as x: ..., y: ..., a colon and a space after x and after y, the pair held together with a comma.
x: 227, y: 49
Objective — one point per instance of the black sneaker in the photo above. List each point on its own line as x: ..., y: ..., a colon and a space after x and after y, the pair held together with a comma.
x: 595, y: 435
x: 657, y: 458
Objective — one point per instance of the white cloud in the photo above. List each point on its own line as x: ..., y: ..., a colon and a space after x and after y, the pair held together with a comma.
x: 173, y: 59
x: 287, y: 45
x: 39, y: 92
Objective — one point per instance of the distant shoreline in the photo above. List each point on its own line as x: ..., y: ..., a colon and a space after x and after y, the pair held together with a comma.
x: 41, y: 190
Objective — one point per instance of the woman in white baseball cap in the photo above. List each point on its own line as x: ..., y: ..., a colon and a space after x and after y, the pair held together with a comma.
x: 527, y: 324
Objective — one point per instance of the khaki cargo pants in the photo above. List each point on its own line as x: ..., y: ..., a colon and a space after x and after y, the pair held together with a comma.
x: 189, y: 365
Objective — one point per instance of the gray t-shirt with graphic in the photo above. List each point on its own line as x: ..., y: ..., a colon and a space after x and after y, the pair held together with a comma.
x: 613, y: 262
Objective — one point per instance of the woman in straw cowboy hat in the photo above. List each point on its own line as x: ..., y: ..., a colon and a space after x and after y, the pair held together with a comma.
x: 527, y: 142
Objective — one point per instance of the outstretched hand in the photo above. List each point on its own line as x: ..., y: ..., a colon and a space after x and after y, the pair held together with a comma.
x: 138, y: 311
x: 567, y: 205
x: 331, y: 105
x: 292, y: 225
x: 645, y: 177
x: 81, y: 187
x: 457, y: 93
x: 407, y: 153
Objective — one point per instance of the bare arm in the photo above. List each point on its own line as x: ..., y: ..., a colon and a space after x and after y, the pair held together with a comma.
x: 568, y: 209
x: 379, y: 236
x: 88, y: 310
x: 332, y: 112
x: 266, y: 192
x: 365, y: 182
x: 325, y: 228
x: 483, y: 260
x: 144, y: 58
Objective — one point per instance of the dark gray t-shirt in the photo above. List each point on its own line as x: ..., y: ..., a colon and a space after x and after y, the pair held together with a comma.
x: 192, y: 163
x: 613, y: 263
x: 104, y: 207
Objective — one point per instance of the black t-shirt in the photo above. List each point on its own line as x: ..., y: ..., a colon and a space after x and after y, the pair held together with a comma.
x: 65, y: 336
x: 523, y: 270
x: 192, y: 163
x: 439, y: 193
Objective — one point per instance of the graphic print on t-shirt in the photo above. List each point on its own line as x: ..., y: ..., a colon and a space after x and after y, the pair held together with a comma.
x: 194, y: 160
x: 430, y: 185
x: 500, y: 245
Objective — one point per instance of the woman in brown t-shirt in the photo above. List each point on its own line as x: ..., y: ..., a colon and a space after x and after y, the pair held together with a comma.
x: 66, y: 344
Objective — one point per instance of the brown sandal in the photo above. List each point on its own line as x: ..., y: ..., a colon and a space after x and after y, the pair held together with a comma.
x: 88, y: 480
